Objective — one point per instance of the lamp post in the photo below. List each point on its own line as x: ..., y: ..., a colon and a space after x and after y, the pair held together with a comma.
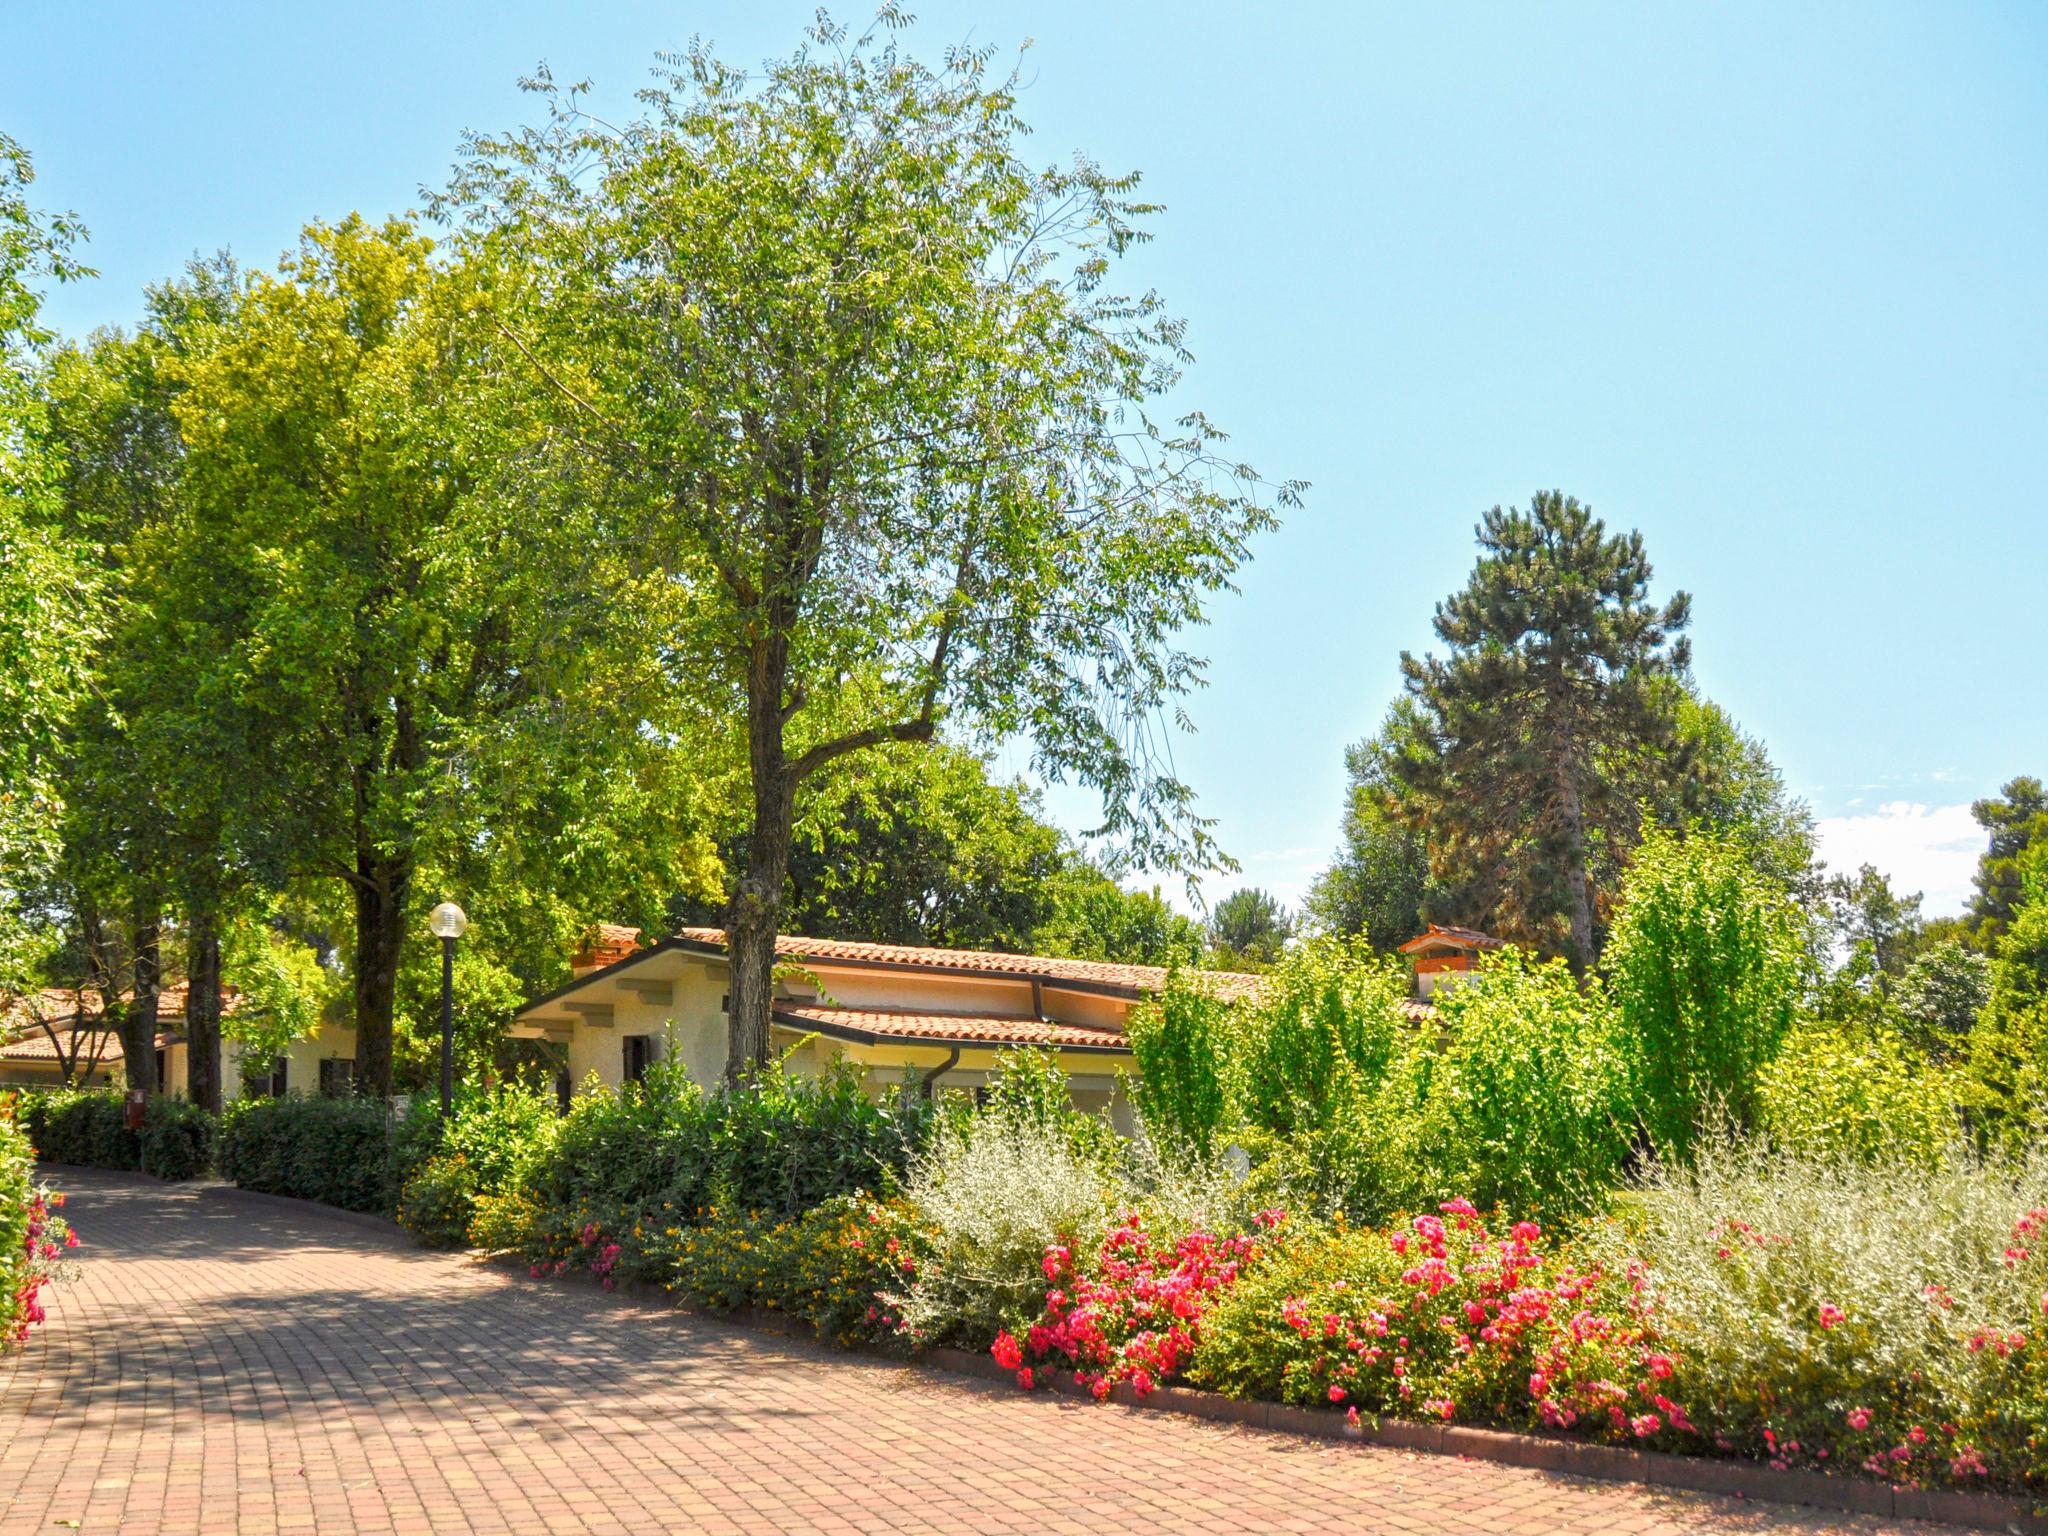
x: 447, y: 922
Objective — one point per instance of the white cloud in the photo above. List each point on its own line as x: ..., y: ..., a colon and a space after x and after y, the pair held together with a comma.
x: 1931, y: 849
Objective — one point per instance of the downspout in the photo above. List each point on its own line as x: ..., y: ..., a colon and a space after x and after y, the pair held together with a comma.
x: 931, y: 1078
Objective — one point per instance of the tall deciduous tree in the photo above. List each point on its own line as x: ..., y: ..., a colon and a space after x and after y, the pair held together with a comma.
x: 1536, y: 724
x: 48, y: 617
x: 356, y: 517
x: 852, y: 372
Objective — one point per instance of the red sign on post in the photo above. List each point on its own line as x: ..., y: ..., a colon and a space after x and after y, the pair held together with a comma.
x: 137, y: 1102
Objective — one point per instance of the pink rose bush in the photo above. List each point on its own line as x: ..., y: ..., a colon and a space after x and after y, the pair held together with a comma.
x: 34, y: 1238
x: 1134, y: 1313
x: 1446, y: 1317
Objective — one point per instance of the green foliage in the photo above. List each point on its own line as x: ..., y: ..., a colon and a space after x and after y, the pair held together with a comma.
x: 1094, y: 918
x: 1866, y: 913
x: 1379, y: 883
x: 33, y: 1237
x: 437, y: 1203
x: 89, y: 1128
x: 1842, y: 1093
x: 910, y: 846
x: 1328, y: 1034
x: 861, y: 275
x: 1249, y: 928
x: 825, y: 1267
x: 336, y: 1151
x: 1529, y: 1103
x: 1535, y: 730
x: 1181, y: 1044
x: 49, y: 597
x: 1938, y: 1000
x: 2017, y: 820
x: 1703, y: 968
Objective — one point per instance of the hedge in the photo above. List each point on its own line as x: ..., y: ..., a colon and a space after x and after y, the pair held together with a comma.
x: 337, y: 1151
x: 89, y: 1128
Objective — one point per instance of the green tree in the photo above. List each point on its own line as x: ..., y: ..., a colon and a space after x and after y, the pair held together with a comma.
x: 921, y: 846
x: 1094, y: 918
x: 1539, y: 725
x: 845, y: 366
x: 2017, y: 820
x: 1379, y: 883
x: 422, y: 665
x: 1703, y: 967
x: 1941, y: 995
x: 1866, y: 913
x: 1181, y: 1044
x: 1249, y: 926
x: 48, y: 602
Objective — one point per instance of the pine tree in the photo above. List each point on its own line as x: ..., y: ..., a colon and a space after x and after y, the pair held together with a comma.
x: 1546, y: 719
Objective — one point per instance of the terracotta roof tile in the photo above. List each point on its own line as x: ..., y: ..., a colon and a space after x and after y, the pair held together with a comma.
x: 1439, y: 934
x: 948, y: 1028
x: 37, y: 1046
x: 1100, y: 973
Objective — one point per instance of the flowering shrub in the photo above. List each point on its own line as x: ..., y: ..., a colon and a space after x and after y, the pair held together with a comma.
x: 1135, y: 1313
x: 33, y: 1237
x: 995, y: 1192
x: 1841, y: 1311
x: 1445, y: 1318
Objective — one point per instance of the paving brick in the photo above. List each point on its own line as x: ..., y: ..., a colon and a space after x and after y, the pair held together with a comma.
x: 228, y: 1364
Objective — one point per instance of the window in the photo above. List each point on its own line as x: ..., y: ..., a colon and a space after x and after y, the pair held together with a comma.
x: 639, y: 1052
x: 565, y: 1092
x: 337, y: 1076
x: 271, y: 1084
x: 163, y: 1069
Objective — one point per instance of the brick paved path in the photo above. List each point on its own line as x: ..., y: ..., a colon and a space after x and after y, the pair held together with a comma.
x: 225, y: 1365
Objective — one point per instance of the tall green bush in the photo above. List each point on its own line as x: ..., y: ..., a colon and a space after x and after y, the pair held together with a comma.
x: 1529, y: 1104
x: 1857, y: 1093
x: 1180, y: 1043
x: 1703, y: 966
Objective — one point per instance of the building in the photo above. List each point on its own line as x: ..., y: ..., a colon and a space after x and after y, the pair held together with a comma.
x: 31, y: 1058
x: 1442, y: 955
x: 900, y: 1013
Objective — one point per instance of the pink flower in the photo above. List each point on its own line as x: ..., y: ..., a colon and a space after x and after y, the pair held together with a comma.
x: 1859, y: 1418
x: 1336, y: 1393
x: 1351, y: 1417
x: 1009, y: 1354
x: 1917, y: 1435
x: 1024, y: 1378
x: 1539, y: 1385
x: 1830, y: 1314
x: 1645, y: 1425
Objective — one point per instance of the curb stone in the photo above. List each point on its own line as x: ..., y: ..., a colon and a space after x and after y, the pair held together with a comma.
x: 1608, y: 1463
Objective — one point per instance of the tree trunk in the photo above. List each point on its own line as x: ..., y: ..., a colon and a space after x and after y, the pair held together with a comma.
x: 202, y: 1012
x: 757, y: 902
x: 138, y: 1025
x: 381, y: 886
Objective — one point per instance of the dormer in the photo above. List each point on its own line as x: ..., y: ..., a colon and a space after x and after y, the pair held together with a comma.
x: 1441, y: 955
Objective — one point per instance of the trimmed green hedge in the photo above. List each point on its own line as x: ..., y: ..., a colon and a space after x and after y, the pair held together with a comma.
x: 89, y: 1128
x: 337, y: 1151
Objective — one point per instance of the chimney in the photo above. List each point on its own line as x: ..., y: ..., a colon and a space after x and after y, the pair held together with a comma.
x: 1442, y: 955
x: 603, y: 944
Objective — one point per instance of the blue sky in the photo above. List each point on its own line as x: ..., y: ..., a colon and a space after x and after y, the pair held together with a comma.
x: 1769, y: 283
